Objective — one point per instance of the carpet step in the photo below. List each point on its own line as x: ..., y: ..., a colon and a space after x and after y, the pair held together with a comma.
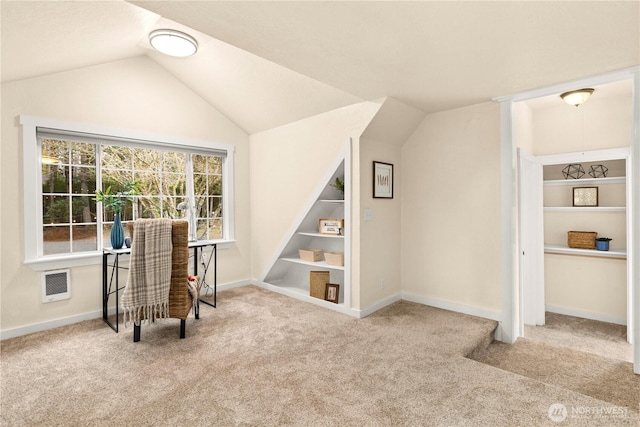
x: 603, y: 378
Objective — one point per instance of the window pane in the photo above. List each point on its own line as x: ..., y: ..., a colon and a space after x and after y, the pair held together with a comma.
x: 115, y: 157
x: 55, y: 151
x: 148, y: 207
x: 215, y: 206
x: 116, y: 179
x: 149, y: 182
x: 199, y: 184
x: 215, y: 164
x: 85, y: 238
x: 106, y: 232
x: 173, y: 162
x: 83, y: 180
x: 215, y: 185
x: 55, y: 179
x: 201, y: 207
x: 202, y: 229
x: 83, y: 154
x: 55, y: 240
x: 170, y: 207
x: 174, y: 184
x: 146, y: 159
x: 126, y: 214
x: 55, y: 210
x: 83, y: 209
x: 199, y: 163
x: 215, y: 228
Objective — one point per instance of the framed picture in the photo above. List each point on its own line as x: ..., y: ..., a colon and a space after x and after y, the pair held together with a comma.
x: 382, y: 180
x: 585, y: 196
x: 332, y: 292
x: 331, y: 226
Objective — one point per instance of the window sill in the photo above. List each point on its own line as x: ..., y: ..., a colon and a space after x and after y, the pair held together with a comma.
x: 92, y: 258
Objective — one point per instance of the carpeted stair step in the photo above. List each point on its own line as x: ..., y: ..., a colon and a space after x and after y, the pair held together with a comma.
x: 600, y: 377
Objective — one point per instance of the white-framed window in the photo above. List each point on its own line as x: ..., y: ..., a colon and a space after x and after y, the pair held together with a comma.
x: 64, y: 164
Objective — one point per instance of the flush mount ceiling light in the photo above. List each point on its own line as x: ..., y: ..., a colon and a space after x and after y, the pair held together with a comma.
x: 173, y: 43
x: 577, y: 97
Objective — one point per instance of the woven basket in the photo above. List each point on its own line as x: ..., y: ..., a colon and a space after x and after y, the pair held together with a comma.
x: 318, y: 283
x: 582, y: 239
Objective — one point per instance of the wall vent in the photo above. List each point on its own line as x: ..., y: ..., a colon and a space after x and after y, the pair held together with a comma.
x: 56, y: 285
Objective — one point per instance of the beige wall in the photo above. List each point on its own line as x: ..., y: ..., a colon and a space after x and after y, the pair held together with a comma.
x: 380, y: 237
x: 287, y: 164
x: 585, y: 284
x: 597, y: 124
x: 451, y: 232
x: 135, y: 94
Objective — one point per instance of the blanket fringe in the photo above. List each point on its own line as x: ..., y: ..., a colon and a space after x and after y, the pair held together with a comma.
x: 146, y: 313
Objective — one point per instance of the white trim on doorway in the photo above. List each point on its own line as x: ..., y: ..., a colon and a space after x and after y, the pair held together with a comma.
x: 509, y: 327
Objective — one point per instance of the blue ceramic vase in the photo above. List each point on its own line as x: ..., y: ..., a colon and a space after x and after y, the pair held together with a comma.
x: 117, y: 233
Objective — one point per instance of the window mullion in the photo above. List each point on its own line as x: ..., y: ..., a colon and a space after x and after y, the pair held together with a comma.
x: 193, y: 226
x: 99, y: 211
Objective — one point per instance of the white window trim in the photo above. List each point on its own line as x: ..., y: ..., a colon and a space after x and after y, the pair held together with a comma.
x: 31, y: 167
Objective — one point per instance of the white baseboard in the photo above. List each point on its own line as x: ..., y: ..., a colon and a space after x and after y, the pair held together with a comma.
x: 585, y: 314
x: 446, y: 305
x: 377, y: 306
x: 49, y: 324
x: 56, y: 323
x: 454, y: 306
x: 230, y: 285
x: 297, y: 294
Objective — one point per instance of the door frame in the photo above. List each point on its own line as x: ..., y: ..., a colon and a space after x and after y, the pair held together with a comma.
x: 532, y: 225
x: 509, y: 328
x: 530, y: 240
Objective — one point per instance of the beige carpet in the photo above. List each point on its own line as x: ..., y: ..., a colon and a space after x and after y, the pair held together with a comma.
x: 600, y: 338
x: 583, y: 355
x: 264, y: 359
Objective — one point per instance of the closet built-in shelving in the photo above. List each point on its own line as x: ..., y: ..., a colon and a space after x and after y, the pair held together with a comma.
x: 609, y: 214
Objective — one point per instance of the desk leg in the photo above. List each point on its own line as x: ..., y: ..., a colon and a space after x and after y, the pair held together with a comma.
x: 215, y: 275
x: 195, y: 273
x: 215, y: 256
x: 117, y: 267
x: 105, y: 298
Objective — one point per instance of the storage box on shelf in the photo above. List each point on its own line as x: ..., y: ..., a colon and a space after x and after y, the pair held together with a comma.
x: 318, y: 283
x: 582, y: 239
x: 311, y: 255
x: 334, y: 258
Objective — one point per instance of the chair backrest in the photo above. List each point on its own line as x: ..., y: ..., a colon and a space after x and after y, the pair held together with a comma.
x: 180, y: 301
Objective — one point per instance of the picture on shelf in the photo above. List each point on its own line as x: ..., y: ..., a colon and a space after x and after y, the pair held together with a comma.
x: 330, y: 226
x: 585, y: 196
x: 332, y: 292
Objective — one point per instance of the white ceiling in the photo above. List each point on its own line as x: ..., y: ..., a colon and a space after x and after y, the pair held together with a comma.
x: 264, y: 64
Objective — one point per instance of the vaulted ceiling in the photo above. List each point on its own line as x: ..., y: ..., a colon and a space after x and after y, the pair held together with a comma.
x: 264, y: 64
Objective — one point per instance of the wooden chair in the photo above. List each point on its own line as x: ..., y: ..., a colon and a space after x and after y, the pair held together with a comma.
x: 180, y: 299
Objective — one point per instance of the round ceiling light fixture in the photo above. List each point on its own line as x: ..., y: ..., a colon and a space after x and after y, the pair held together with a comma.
x: 173, y: 43
x: 577, y: 97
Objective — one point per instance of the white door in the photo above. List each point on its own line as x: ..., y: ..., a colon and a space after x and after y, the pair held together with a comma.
x: 531, y: 240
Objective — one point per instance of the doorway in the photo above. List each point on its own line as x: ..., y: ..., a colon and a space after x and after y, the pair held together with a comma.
x: 512, y: 325
x: 576, y: 294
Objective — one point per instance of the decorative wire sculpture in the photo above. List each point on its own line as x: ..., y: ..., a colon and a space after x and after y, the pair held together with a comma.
x: 574, y: 170
x: 598, y: 171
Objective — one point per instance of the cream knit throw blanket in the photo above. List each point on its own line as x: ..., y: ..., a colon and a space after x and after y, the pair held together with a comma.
x: 147, y: 293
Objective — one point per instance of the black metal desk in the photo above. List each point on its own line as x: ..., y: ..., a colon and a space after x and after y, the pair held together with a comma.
x: 111, y: 282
